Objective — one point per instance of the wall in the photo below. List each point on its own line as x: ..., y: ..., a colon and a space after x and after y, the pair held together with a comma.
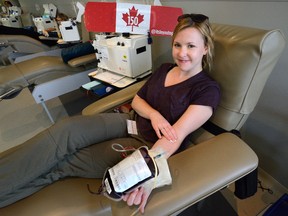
x: 265, y: 130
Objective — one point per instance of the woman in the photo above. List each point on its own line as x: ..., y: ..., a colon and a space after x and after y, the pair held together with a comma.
x: 175, y: 101
x: 179, y: 97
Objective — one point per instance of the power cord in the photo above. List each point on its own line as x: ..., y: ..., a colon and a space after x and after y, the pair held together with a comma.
x: 264, y: 188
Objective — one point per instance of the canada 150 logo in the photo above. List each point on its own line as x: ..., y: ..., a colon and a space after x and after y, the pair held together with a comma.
x: 133, y: 18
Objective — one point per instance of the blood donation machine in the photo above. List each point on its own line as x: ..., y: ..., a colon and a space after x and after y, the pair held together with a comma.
x: 128, y: 55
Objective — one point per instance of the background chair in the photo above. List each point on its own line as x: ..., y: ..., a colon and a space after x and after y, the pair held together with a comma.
x: 244, y: 60
x: 21, y: 42
x: 44, y: 71
x: 46, y: 76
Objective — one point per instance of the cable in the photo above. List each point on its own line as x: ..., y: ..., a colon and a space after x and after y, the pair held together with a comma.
x: 263, y: 188
x: 119, y: 148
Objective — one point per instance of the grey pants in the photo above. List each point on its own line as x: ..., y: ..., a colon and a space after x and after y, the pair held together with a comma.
x: 77, y: 146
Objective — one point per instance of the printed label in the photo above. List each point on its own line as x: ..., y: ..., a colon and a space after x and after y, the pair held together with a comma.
x: 107, y: 185
x: 129, y: 172
x: 131, y: 127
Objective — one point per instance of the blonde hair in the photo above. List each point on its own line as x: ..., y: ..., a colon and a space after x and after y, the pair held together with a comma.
x: 200, y: 22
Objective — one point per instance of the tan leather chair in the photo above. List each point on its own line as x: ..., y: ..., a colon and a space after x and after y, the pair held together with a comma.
x: 19, y: 45
x: 46, y: 76
x: 42, y: 65
x: 42, y: 69
x: 24, y: 44
x: 244, y: 59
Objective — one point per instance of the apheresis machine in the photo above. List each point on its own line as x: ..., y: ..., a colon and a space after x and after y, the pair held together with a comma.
x: 69, y: 31
x: 46, y: 20
x: 124, y: 54
x: 11, y: 17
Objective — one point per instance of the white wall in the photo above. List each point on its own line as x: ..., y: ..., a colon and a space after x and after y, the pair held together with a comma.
x: 266, y: 129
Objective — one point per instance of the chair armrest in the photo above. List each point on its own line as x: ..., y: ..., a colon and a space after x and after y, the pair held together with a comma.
x: 5, y: 44
x: 82, y: 60
x: 197, y: 173
x: 116, y: 99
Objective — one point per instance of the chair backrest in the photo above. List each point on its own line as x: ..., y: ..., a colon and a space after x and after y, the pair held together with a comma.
x: 27, y: 20
x: 244, y: 59
x: 23, y: 43
x: 85, y: 34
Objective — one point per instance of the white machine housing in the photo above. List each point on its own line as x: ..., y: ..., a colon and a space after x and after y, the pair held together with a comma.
x: 50, y: 10
x: 69, y: 31
x: 129, y: 56
x: 43, y: 23
x: 14, y: 11
x: 46, y: 20
x: 12, y: 21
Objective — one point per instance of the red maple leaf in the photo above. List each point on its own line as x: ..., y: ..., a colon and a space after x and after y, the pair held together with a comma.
x: 133, y: 18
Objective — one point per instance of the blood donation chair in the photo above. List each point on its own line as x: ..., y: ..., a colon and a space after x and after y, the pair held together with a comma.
x: 46, y: 76
x: 22, y: 42
x: 244, y: 59
x: 22, y: 45
x: 47, y: 72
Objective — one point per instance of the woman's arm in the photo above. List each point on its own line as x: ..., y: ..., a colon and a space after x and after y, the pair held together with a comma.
x: 192, y: 119
x: 142, y: 107
x: 158, y: 122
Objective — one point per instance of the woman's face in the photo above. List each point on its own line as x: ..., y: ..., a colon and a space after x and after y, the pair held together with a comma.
x: 188, y: 50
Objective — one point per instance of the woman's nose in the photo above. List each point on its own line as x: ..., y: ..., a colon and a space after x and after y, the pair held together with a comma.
x: 182, y: 52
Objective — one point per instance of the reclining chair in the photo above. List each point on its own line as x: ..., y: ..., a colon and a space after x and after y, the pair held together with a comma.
x: 19, y: 42
x: 46, y: 76
x: 244, y: 59
x: 18, y: 45
x: 24, y: 43
x: 44, y: 71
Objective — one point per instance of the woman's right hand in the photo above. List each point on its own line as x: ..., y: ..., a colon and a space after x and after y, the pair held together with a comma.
x: 162, y: 127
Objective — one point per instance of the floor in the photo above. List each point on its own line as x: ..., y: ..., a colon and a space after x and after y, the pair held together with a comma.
x: 21, y: 118
x: 269, y: 191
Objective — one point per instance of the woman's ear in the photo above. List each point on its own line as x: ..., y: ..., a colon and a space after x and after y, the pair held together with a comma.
x: 205, y: 50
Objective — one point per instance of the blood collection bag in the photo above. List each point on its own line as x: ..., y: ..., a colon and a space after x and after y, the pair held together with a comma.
x: 129, y: 173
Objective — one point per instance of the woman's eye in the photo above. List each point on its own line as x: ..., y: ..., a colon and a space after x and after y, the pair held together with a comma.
x: 190, y: 46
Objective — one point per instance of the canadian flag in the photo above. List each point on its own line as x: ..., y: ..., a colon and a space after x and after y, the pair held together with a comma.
x: 132, y: 18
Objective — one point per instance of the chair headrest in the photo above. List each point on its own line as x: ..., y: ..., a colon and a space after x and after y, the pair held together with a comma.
x: 244, y: 59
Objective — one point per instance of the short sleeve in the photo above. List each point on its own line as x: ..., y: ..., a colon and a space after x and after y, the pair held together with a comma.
x: 208, y: 96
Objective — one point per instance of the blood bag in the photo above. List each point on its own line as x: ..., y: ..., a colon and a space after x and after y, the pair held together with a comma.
x: 129, y: 174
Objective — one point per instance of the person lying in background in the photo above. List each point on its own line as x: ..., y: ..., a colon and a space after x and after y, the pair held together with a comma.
x: 5, y: 30
x: 54, y: 32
